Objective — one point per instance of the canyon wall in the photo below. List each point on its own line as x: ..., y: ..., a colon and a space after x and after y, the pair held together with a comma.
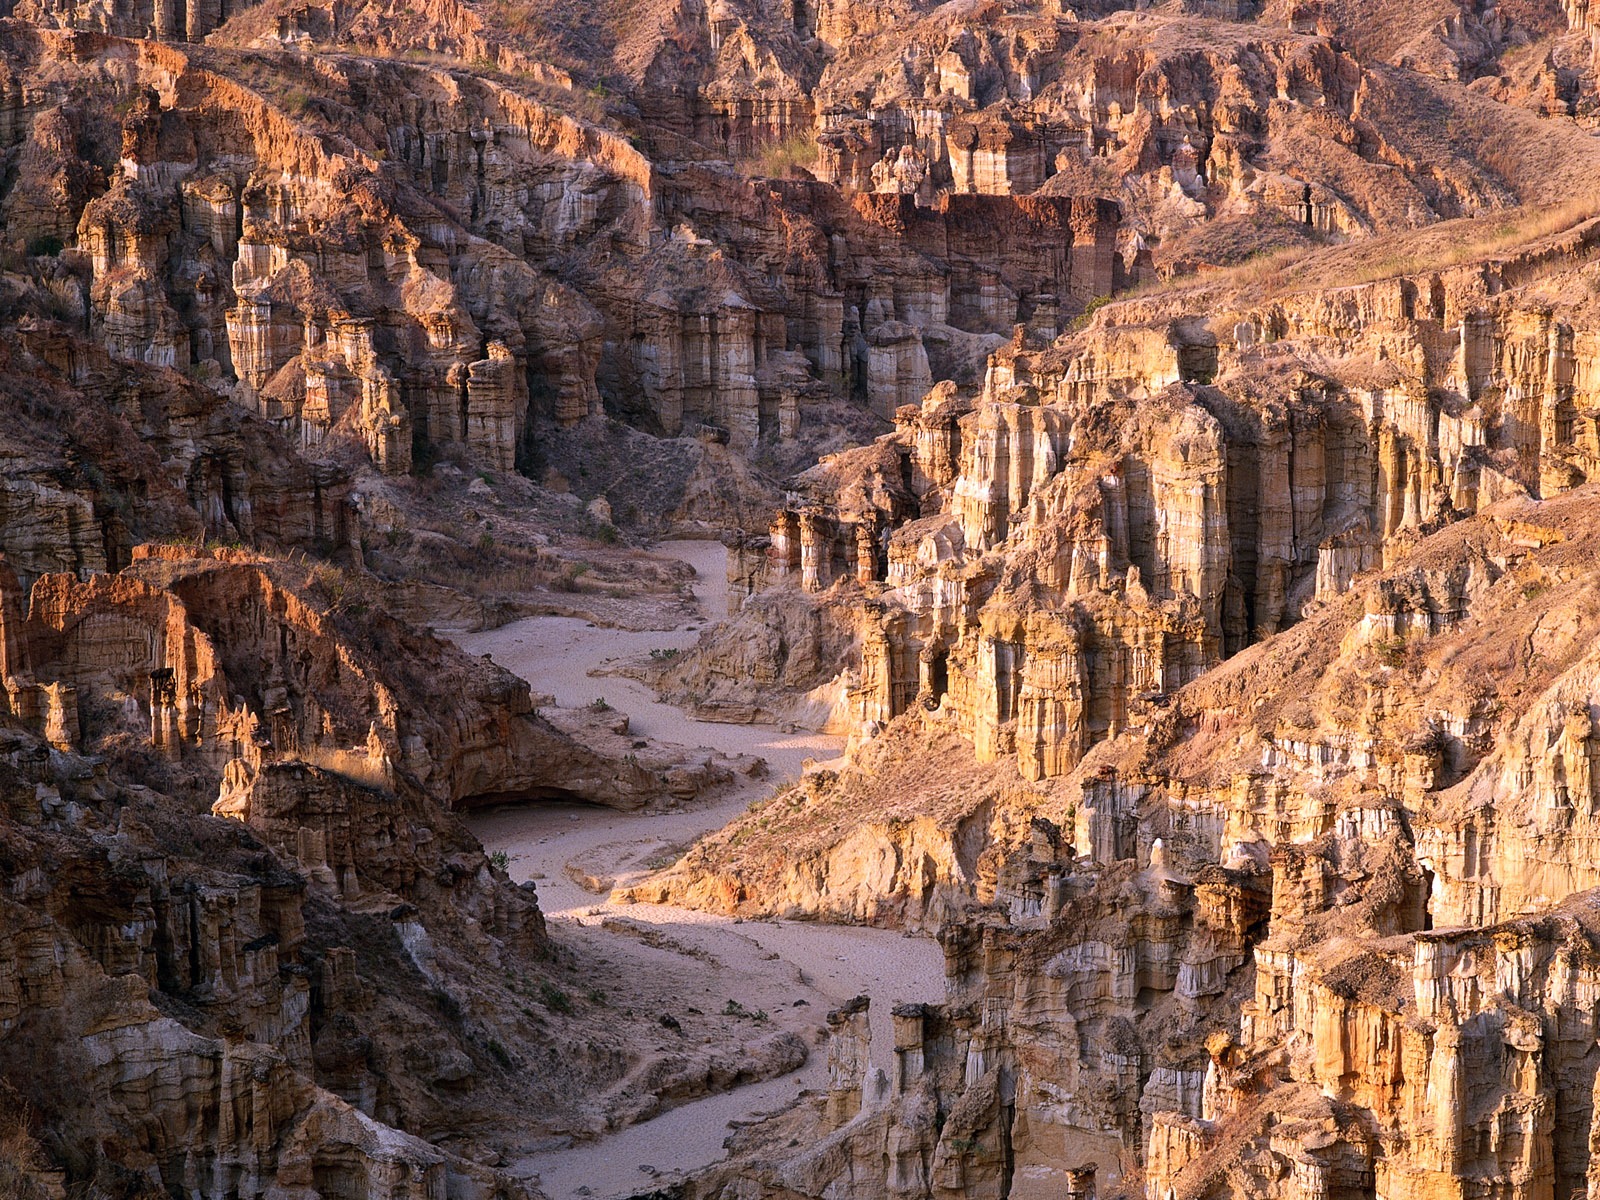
x: 1321, y: 923
x: 458, y: 263
x: 1197, y: 551
x: 242, y: 920
x: 1225, y: 699
x: 228, y: 663
x: 1118, y: 512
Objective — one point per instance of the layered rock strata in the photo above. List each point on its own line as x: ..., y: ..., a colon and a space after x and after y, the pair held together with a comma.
x: 225, y: 665
x: 511, y: 257
x: 1323, y: 924
x: 241, y: 920
x: 1118, y: 512
x: 437, y: 323
x: 1226, y: 700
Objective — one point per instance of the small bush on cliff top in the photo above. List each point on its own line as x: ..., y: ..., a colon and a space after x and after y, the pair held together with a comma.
x: 777, y: 159
x: 21, y: 1156
x: 734, y: 1009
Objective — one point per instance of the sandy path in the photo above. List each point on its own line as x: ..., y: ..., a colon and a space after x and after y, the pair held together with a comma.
x: 766, y: 965
x: 555, y: 655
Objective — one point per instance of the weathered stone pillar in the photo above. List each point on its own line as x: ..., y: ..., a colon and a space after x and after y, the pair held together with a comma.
x: 849, y: 1053
x: 784, y: 555
x: 1094, y: 247
x: 815, y: 552
x: 497, y: 406
x: 866, y: 555
x: 1055, y: 892
x: 11, y: 644
x: 910, y: 1037
x: 166, y: 729
x: 61, y: 715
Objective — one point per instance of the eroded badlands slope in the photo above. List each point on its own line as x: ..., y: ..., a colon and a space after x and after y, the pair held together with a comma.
x: 1226, y: 695
x: 1213, y: 626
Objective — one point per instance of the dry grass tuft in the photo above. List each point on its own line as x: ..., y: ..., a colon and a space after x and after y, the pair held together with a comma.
x: 1436, y: 248
x: 779, y: 159
x: 1477, y: 238
x: 22, y: 1159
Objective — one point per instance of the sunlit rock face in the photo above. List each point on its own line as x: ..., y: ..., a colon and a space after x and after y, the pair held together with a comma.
x: 1116, y: 513
x: 1329, y: 909
x: 1272, y: 875
x: 1154, y: 437
x: 466, y: 264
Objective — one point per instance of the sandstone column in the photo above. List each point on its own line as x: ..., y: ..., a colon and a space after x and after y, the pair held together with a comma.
x: 816, y: 550
x: 849, y: 1045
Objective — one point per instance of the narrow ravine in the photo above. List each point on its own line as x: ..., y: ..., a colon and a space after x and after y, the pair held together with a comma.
x: 795, y: 971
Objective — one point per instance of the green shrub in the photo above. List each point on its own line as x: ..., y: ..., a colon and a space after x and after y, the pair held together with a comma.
x: 554, y: 998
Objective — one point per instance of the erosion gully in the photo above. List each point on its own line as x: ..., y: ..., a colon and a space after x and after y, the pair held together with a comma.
x: 794, y: 970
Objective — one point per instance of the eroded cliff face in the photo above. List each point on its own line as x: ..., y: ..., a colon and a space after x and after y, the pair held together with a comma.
x: 241, y: 921
x: 1116, y: 513
x: 403, y: 259
x: 207, y: 1008
x: 1322, y: 923
x: 224, y: 665
x: 1225, y: 699
x: 1246, y: 125
x: 1215, y: 644
x: 779, y: 204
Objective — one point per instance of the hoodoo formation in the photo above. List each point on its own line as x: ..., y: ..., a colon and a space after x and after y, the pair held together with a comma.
x: 799, y: 600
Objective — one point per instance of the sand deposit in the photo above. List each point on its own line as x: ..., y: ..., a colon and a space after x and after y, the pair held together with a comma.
x: 790, y: 972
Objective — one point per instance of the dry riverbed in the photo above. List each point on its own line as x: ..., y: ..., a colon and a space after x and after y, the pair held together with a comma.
x: 790, y: 973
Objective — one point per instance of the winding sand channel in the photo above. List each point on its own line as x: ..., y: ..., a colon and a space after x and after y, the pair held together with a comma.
x: 795, y: 971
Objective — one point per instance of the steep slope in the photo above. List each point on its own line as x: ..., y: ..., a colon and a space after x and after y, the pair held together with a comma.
x: 1300, y: 901
x: 1162, y: 438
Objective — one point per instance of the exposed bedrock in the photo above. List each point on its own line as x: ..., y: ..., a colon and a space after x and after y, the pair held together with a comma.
x: 226, y: 664
x: 1118, y: 512
x: 385, y: 280
x: 1323, y: 923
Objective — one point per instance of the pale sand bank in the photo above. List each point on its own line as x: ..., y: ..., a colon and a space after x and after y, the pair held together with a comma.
x: 762, y: 965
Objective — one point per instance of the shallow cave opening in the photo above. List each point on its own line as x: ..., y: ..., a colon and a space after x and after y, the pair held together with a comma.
x: 542, y: 795
x: 1197, y: 364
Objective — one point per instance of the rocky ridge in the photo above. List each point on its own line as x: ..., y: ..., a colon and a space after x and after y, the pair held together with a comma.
x: 240, y: 917
x: 1322, y: 924
x: 1216, y: 634
x: 1287, y: 714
